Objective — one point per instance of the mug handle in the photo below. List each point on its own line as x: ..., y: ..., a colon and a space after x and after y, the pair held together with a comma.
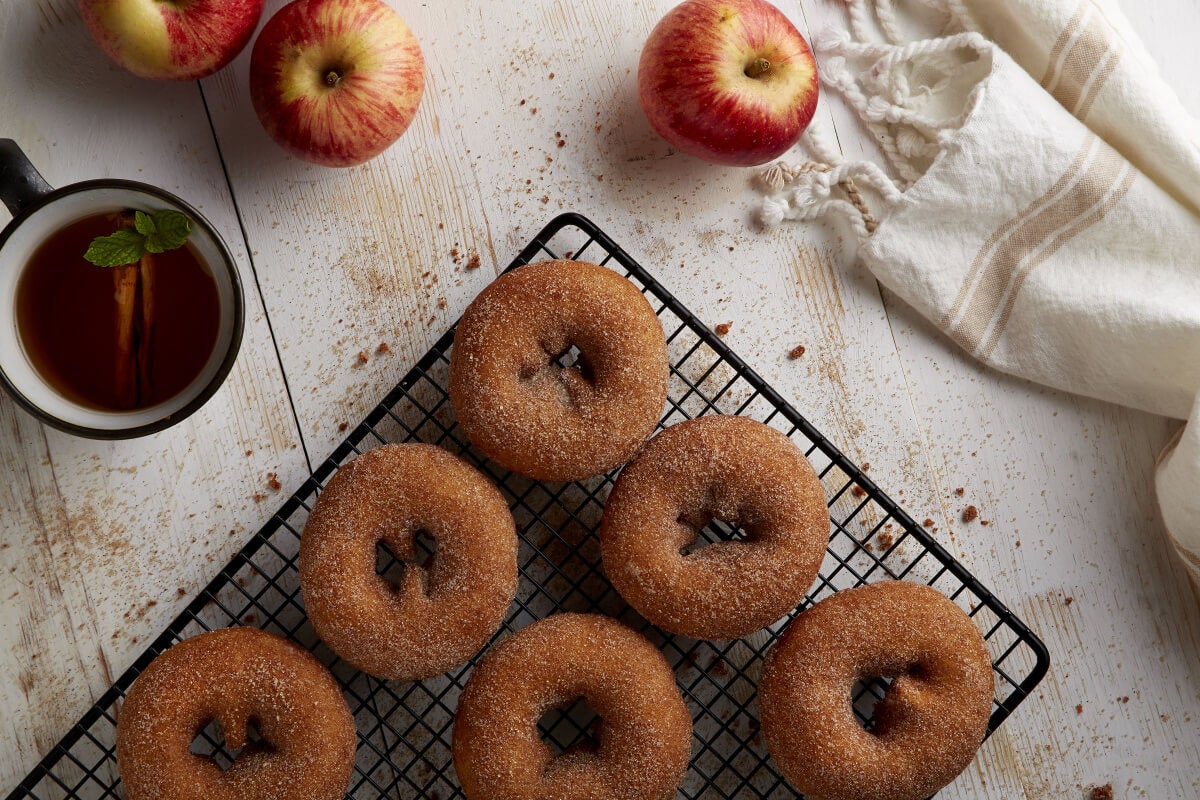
x: 21, y: 185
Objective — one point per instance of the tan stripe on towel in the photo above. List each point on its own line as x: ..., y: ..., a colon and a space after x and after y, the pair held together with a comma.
x: 1054, y: 62
x: 980, y: 258
x: 1082, y: 62
x: 1098, y: 179
x: 1114, y: 57
x: 1190, y: 560
x: 1098, y: 213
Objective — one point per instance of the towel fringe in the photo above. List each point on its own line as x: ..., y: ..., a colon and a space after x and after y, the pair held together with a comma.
x: 883, y: 96
x: 810, y: 191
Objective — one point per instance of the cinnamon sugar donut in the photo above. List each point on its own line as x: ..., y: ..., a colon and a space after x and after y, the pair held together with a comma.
x: 929, y: 724
x: 439, y: 616
x: 729, y: 468
x: 237, y: 677
x: 525, y: 411
x: 644, y: 735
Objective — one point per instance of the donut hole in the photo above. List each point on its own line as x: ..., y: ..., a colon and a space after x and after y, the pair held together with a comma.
x: 705, y: 529
x: 570, y: 727
x: 573, y: 358
x: 392, y: 568
x: 211, y: 743
x: 878, y: 700
x: 563, y: 365
x: 866, y: 694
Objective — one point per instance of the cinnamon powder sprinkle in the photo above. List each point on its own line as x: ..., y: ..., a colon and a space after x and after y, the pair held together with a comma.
x: 473, y: 262
x: 363, y: 357
x: 858, y: 491
x: 970, y: 514
x: 796, y: 351
x: 723, y: 328
x: 1104, y: 792
x: 273, y: 481
x: 342, y: 426
x: 383, y: 348
x: 928, y: 523
x: 960, y: 491
x: 1079, y: 708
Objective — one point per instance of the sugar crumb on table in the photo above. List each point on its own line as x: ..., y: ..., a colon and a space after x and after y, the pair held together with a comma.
x: 796, y: 351
x: 1104, y: 792
x: 970, y: 514
x: 722, y: 328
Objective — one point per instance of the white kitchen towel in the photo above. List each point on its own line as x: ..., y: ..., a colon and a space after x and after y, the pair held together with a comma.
x: 1045, y: 207
x: 1084, y: 52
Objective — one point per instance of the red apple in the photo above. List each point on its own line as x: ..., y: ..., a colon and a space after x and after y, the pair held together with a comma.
x: 729, y: 81
x: 336, y: 82
x: 179, y: 40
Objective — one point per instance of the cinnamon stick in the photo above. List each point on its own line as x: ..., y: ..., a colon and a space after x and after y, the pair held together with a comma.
x: 146, y: 334
x: 125, y: 280
x: 134, y: 295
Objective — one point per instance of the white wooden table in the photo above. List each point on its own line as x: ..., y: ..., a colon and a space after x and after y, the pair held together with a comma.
x: 102, y: 544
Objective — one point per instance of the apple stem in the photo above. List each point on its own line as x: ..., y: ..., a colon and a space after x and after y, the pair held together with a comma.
x: 333, y: 78
x: 758, y: 67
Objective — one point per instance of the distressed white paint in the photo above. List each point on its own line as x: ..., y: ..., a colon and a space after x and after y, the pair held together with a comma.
x: 349, y: 259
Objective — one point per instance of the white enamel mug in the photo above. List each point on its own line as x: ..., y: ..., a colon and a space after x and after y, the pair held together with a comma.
x: 38, y: 213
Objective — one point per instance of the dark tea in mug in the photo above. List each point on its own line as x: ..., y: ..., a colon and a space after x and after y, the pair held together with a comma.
x: 116, y: 338
x: 123, y: 309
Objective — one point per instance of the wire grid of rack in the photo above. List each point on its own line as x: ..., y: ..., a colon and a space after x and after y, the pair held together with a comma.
x: 405, y: 728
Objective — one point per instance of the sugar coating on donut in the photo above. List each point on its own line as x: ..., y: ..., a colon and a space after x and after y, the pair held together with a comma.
x: 734, y: 469
x: 644, y: 734
x: 525, y: 411
x: 437, y: 617
x: 236, y: 677
x: 926, y: 729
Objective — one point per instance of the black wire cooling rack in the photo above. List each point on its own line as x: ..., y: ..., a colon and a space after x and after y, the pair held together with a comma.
x: 404, y: 728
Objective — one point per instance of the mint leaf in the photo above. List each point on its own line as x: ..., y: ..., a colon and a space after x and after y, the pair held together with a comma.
x: 151, y: 233
x: 123, y: 247
x: 144, y: 223
x: 172, y: 230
